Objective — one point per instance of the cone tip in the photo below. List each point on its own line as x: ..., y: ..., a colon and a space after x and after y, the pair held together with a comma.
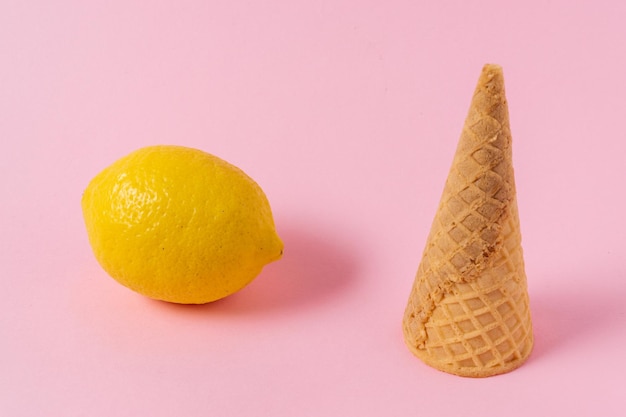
x: 492, y: 68
x: 491, y: 79
x: 491, y: 71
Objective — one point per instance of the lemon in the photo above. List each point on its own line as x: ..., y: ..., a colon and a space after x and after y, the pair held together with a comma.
x: 180, y: 225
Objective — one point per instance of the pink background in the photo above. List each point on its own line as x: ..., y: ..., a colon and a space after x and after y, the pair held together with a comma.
x: 347, y: 113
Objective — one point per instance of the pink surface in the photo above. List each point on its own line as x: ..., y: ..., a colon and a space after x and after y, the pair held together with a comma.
x: 347, y: 113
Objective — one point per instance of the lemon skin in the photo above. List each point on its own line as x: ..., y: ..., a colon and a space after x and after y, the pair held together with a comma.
x: 180, y: 225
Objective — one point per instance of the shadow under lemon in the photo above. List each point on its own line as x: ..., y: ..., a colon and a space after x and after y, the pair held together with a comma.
x: 314, y: 268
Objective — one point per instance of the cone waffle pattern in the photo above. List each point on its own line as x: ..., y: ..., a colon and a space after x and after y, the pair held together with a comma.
x: 468, y: 312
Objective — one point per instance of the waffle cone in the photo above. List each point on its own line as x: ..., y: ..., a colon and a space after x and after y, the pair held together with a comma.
x: 468, y: 313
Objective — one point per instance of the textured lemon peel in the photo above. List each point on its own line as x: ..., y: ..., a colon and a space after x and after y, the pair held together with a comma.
x: 180, y: 225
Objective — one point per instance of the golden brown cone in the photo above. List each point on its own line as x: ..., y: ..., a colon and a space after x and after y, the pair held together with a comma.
x: 468, y: 313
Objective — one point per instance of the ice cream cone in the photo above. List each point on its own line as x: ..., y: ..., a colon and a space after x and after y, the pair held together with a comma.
x: 468, y: 313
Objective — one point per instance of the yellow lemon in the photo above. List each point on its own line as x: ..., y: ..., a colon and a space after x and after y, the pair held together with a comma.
x: 180, y: 225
